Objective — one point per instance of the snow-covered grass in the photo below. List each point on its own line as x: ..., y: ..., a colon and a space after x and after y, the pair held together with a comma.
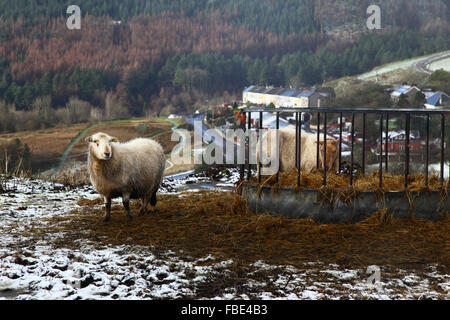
x: 34, y: 267
x: 413, y: 70
x: 441, y: 64
x: 390, y: 67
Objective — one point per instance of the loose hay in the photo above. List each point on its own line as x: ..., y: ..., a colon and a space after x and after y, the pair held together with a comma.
x: 196, y: 225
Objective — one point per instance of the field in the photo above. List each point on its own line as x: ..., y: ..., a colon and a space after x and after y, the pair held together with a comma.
x: 442, y: 64
x: 61, y: 152
x: 126, y: 130
x: 201, y: 241
x: 395, y: 74
x: 207, y: 244
x: 45, y: 144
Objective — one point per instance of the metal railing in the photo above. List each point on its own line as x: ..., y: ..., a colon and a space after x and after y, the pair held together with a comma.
x: 384, y: 114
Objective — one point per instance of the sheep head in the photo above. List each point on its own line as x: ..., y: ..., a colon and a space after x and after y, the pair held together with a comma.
x: 332, y: 153
x: 100, y: 145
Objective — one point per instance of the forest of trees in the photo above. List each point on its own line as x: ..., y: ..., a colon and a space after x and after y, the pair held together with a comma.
x: 283, y: 17
x: 174, y: 53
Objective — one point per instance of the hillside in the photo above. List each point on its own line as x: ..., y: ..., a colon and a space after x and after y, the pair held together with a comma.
x: 280, y: 17
x: 413, y: 71
x: 177, y: 56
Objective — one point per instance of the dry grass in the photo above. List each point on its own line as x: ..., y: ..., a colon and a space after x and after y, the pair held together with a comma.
x: 199, y: 224
x: 124, y: 131
x: 165, y: 141
x: 45, y: 143
x: 314, y: 180
x: 52, y: 142
x: 47, y: 146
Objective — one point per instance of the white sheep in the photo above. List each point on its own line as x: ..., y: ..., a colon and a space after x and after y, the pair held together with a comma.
x: 287, y: 152
x: 131, y: 170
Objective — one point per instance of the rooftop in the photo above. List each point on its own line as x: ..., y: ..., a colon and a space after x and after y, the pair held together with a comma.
x: 403, y: 90
x: 435, y: 99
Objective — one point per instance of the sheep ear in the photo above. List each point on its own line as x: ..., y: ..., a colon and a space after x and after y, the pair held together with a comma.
x: 115, y: 140
x: 88, y: 139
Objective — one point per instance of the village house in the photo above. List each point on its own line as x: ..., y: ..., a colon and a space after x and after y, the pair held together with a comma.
x: 433, y: 100
x: 409, y: 92
x: 255, y: 95
x: 289, y: 97
x: 396, y: 145
x: 437, y: 100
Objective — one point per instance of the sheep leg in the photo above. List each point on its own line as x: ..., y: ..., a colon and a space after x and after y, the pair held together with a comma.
x: 126, y: 205
x: 143, y: 207
x: 153, y: 200
x: 107, y: 216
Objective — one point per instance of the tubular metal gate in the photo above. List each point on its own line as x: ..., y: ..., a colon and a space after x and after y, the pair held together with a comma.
x: 383, y: 115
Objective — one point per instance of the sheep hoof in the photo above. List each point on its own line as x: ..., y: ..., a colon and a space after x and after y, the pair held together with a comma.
x: 142, y: 212
x: 130, y: 217
x: 106, y: 218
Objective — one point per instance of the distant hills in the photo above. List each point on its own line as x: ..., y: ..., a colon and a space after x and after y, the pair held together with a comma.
x: 176, y: 55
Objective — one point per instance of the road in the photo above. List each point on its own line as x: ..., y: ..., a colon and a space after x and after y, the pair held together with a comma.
x: 421, y: 65
x: 219, y: 140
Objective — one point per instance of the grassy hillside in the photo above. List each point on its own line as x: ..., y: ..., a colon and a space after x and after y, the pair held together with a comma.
x: 390, y: 74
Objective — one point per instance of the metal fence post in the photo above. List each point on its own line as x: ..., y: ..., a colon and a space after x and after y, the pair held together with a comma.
x: 380, y: 173
x: 442, y: 149
x: 249, y: 168
x: 387, y: 144
x: 325, y: 149
x: 299, y: 151
x: 340, y: 141
x: 407, y: 148
x: 427, y: 162
x: 364, y: 145
x: 353, y: 150
x: 278, y: 132
x: 260, y: 131
x: 318, y: 140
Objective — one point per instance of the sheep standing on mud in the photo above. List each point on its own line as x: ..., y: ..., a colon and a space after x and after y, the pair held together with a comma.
x: 131, y: 170
x: 287, y: 152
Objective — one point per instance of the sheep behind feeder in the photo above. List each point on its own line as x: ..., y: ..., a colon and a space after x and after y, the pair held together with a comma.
x: 287, y: 151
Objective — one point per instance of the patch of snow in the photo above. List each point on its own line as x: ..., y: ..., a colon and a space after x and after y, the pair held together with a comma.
x: 441, y: 64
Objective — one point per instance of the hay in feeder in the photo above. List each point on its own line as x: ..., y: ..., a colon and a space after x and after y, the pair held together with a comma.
x: 314, y: 181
